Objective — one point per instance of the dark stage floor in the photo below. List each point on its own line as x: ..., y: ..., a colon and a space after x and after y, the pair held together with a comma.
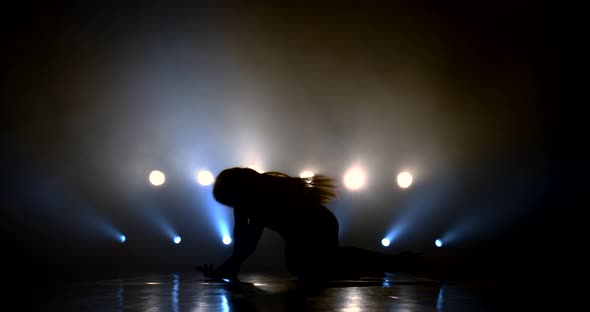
x: 190, y: 292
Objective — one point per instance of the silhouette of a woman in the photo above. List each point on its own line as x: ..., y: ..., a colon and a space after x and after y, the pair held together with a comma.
x: 294, y: 208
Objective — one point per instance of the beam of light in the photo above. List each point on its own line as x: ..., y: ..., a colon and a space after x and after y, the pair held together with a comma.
x: 385, y: 242
x: 421, y: 207
x: 145, y: 207
x: 157, y: 178
x: 226, y: 240
x: 469, y: 227
x: 218, y: 215
x: 166, y: 228
x: 94, y: 223
x: 354, y: 179
x: 205, y: 177
x: 497, y: 211
x: 223, y: 228
x: 391, y: 236
x: 438, y: 243
x: 404, y: 179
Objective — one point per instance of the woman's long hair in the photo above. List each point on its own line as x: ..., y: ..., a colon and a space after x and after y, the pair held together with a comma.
x: 318, y: 188
x: 234, y: 185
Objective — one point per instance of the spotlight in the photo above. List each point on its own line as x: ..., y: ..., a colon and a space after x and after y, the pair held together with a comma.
x: 157, y: 178
x: 205, y: 177
x: 404, y: 179
x: 122, y: 238
x: 306, y: 174
x: 438, y: 243
x: 354, y: 179
x: 226, y: 240
x: 385, y: 242
x: 177, y: 239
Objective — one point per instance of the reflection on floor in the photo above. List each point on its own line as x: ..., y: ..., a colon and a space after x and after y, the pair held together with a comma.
x: 190, y: 292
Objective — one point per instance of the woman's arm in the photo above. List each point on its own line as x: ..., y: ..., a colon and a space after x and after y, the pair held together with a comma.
x: 245, y: 238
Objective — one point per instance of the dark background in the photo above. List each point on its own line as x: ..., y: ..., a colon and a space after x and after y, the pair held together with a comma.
x: 477, y: 99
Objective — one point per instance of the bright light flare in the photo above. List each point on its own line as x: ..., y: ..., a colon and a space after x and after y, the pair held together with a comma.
x: 306, y: 174
x: 256, y: 168
x: 205, y: 177
x: 385, y: 242
x: 439, y: 243
x: 157, y: 178
x: 404, y: 179
x: 177, y: 239
x: 354, y: 179
x: 122, y: 238
x: 226, y: 240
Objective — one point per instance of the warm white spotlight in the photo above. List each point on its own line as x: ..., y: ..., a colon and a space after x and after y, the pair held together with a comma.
x: 122, y: 238
x: 354, y: 179
x: 157, y: 178
x: 177, y: 240
x: 226, y: 240
x: 205, y: 177
x: 385, y: 242
x: 404, y: 179
x: 306, y: 174
x: 438, y: 243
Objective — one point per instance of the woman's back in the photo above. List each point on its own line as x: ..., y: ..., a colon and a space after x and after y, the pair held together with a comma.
x: 282, y: 203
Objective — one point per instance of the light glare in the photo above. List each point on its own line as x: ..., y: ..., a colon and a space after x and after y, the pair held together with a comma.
x: 205, y: 177
x: 226, y: 240
x: 157, y: 178
x: 404, y: 179
x: 177, y: 240
x: 354, y: 179
x: 385, y: 242
x: 256, y: 168
x: 438, y: 243
x: 306, y: 174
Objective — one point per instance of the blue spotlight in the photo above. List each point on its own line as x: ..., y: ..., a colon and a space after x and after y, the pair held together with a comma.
x: 177, y: 239
x: 223, y: 228
x: 122, y: 238
x: 438, y: 243
x: 390, y: 237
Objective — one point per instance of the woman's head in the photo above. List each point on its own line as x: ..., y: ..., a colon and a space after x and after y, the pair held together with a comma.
x: 235, y: 186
